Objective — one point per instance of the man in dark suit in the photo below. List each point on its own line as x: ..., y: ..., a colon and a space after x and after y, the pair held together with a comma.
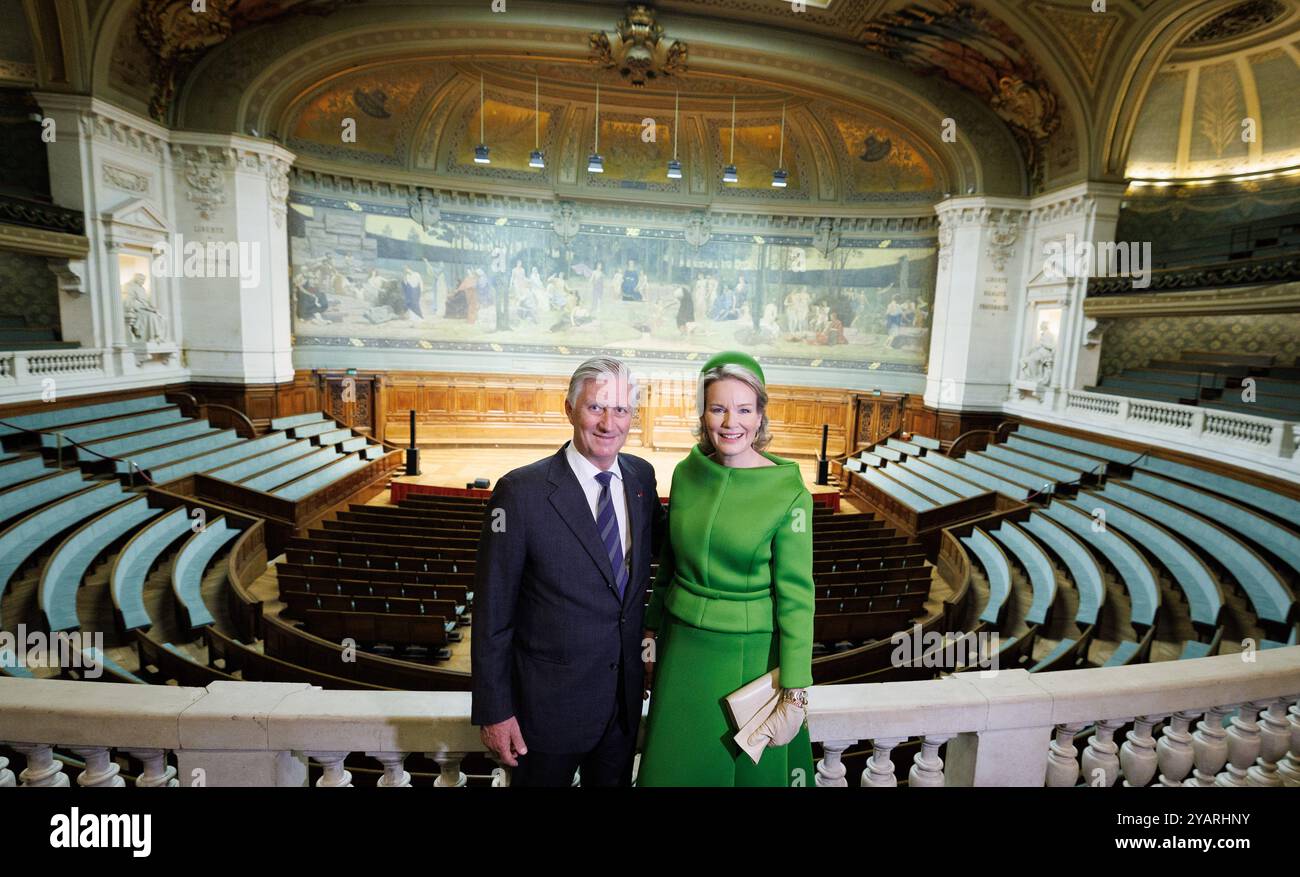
x: 559, y: 595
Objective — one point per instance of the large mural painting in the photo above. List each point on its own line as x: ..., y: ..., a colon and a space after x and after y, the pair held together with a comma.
x: 370, y: 275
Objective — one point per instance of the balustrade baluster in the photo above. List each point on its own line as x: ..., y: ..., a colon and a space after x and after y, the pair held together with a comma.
x: 1137, y: 757
x: 879, y: 772
x: 101, y: 772
x: 1274, y: 737
x: 335, y: 774
x: 1209, y: 746
x: 7, y: 780
x: 450, y: 776
x: 1289, y: 767
x: 1062, y: 761
x: 1174, y: 751
x: 927, y: 767
x: 395, y: 774
x: 43, y: 769
x: 157, y: 772
x: 1243, y: 746
x: 830, y: 769
x: 1100, y: 754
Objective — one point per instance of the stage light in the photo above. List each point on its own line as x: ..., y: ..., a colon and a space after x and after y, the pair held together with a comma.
x: 535, y: 158
x: 675, y: 166
x: 595, y: 164
x: 729, y: 172
x: 481, y: 155
x: 780, y: 178
x: 674, y: 169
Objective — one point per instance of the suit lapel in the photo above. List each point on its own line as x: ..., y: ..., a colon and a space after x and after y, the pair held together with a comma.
x: 570, y: 502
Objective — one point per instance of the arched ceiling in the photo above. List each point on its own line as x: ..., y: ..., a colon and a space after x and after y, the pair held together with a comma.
x: 1043, y: 92
x: 1224, y: 103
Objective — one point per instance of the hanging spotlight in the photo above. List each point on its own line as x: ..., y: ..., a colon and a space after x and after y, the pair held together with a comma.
x: 729, y: 172
x: 535, y: 158
x: 481, y: 151
x: 596, y: 164
x: 780, y: 177
x: 675, y: 166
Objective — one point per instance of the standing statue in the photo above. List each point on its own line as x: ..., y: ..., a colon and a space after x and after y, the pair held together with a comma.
x: 143, y: 320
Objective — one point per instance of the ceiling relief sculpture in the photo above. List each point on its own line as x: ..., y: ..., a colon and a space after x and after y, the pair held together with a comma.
x: 973, y: 49
x: 1239, y: 21
x: 638, y: 49
x: 174, y: 35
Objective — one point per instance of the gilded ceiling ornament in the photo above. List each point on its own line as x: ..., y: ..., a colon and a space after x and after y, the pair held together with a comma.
x: 1238, y: 21
x: 638, y: 49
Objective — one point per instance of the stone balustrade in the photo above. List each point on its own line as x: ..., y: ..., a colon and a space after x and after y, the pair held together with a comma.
x: 1001, y: 728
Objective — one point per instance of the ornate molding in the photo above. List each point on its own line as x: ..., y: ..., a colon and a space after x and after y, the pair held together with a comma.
x: 1002, y: 243
x: 40, y: 242
x: 1269, y: 299
x: 69, y: 275
x: 124, y: 179
x: 37, y: 214
x: 699, y: 230
x: 277, y: 182
x: 638, y: 49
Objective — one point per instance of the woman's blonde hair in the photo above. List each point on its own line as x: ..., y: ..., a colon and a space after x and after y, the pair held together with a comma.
x: 728, y: 370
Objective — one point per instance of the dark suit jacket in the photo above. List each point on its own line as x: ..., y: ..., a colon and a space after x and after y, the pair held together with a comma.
x: 551, y: 637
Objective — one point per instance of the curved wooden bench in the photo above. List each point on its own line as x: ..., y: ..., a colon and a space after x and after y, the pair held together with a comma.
x: 239, y: 450
x: 996, y: 567
x: 33, y: 494
x: 1032, y: 482
x: 1203, y: 591
x: 1270, y: 597
x: 1038, y: 568
x: 18, y: 470
x: 117, y: 425
x: 191, y: 562
x: 124, y: 445
x: 67, y: 566
x: 60, y: 417
x: 269, y: 479
x: 251, y: 466
x: 1082, y: 446
x: 191, y: 446
x: 1257, y: 497
x: 131, y: 566
x: 1134, y: 570
x: 1083, y: 568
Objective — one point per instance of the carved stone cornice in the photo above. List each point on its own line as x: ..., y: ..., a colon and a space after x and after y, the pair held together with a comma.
x: 41, y: 242
x: 36, y: 214
x: 1269, y: 299
x: 1281, y: 270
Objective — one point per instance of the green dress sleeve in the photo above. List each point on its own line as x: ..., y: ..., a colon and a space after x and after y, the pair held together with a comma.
x: 792, y: 550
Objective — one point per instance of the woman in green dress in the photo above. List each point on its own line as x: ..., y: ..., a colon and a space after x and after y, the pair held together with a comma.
x: 733, y: 597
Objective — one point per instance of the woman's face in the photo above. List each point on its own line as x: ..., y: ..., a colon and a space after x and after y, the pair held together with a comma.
x: 731, y: 416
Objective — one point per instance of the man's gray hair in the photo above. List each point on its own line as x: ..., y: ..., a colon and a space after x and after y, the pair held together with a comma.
x: 601, y: 368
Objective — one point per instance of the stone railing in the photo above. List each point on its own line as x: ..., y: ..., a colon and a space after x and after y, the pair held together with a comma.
x: 1190, y: 424
x: 1002, y: 728
x: 32, y: 366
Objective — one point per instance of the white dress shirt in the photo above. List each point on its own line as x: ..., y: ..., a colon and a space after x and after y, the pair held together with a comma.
x: 586, y: 472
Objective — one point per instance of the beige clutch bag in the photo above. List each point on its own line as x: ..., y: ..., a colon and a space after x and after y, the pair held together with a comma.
x: 750, y: 706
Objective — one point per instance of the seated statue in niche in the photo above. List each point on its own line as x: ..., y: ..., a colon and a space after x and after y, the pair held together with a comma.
x: 143, y: 320
x: 1036, y: 365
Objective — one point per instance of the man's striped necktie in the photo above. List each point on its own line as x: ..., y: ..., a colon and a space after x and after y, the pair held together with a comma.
x: 607, y: 527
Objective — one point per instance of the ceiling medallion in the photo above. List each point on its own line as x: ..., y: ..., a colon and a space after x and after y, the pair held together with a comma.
x: 638, y: 49
x: 1238, y: 21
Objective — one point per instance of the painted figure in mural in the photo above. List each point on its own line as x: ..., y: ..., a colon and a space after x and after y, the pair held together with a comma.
x: 769, y: 329
x: 412, y: 288
x: 597, y: 288
x: 631, y: 288
x: 518, y: 281
x: 485, y: 296
x: 834, y: 333
x: 143, y: 320
x: 373, y: 287
x: 433, y: 284
x: 685, y: 310
x: 922, y: 318
x: 724, y: 306
x: 893, y: 316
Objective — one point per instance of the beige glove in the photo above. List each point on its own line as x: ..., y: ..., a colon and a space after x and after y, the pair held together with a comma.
x: 785, y: 721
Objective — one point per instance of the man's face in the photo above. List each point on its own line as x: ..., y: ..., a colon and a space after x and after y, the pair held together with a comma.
x: 601, y: 419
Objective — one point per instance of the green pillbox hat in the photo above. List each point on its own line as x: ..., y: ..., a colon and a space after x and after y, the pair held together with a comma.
x: 735, y: 357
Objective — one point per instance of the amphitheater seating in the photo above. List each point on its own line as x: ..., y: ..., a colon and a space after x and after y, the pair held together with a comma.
x: 68, y: 565
x: 61, y: 417
x: 1037, y: 567
x: 276, y: 476
x: 1278, y: 540
x: 254, y: 666
x: 926, y: 468
x: 115, y: 425
x: 37, y: 492
x: 111, y: 671
x: 187, y: 571
x: 245, y: 470
x: 125, y: 445
x: 1261, y: 498
x: 1009, y: 473
x: 172, y: 452
x: 979, y: 476
x: 996, y: 568
x: 171, y: 663
x: 1212, y: 380
x: 21, y: 539
x: 898, y: 491
x: 19, y: 469
x: 212, y: 459
x: 321, y: 477
x: 1203, y: 592
x: 1269, y: 595
x: 1082, y: 566
x: 1133, y: 569
x: 1021, y: 443
x: 137, y: 557
x: 921, y: 485
x: 1036, y: 466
